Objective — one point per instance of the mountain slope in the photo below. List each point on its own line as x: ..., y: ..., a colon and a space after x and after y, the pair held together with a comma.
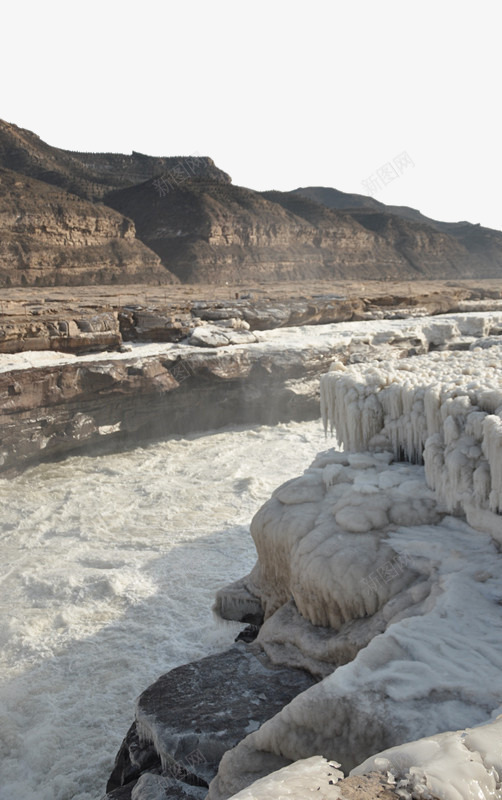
x: 420, y: 249
x: 483, y: 246
x: 90, y: 175
x: 208, y: 232
x: 103, y: 217
x: 48, y: 237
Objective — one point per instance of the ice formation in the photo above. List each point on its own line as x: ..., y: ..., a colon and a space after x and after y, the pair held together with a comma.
x: 297, y: 782
x: 411, y: 616
x: 444, y: 408
x: 353, y: 341
x: 322, y: 539
x: 383, y: 577
x: 459, y: 765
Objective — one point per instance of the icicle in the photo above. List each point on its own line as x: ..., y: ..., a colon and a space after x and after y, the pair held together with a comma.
x: 443, y: 408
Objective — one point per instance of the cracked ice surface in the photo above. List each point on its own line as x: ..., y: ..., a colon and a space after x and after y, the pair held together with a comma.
x: 445, y: 407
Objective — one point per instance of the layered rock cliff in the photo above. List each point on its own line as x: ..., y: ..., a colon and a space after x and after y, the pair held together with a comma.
x: 479, y: 245
x: 50, y: 237
x: 204, y: 229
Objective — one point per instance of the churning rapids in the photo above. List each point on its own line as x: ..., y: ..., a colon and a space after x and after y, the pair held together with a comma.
x: 108, y: 574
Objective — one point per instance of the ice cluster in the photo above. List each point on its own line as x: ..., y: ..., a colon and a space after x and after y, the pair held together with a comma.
x: 444, y: 409
x: 408, y: 612
x: 457, y: 765
x: 379, y: 571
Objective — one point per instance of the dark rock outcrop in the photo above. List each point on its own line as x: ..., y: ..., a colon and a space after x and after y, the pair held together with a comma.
x: 195, y: 713
x: 67, y: 331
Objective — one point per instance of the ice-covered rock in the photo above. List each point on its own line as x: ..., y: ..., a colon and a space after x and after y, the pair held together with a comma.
x: 459, y: 765
x: 367, y: 580
x: 301, y: 780
x: 188, y: 718
x: 360, y: 568
x: 322, y: 540
x: 222, y: 335
x: 369, y: 574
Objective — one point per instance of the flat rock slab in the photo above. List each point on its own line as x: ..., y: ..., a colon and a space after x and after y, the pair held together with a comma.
x: 192, y: 715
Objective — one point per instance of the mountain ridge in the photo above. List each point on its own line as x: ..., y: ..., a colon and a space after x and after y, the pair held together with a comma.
x: 182, y: 219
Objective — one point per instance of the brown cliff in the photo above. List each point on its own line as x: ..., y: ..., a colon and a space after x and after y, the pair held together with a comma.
x: 204, y: 229
x: 210, y: 232
x: 480, y: 248
x: 397, y: 246
x: 89, y: 175
x: 50, y: 237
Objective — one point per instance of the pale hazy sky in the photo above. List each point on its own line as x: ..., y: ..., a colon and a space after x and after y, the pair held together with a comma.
x: 280, y: 94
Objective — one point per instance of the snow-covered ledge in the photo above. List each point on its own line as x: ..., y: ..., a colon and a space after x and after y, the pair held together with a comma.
x: 443, y: 409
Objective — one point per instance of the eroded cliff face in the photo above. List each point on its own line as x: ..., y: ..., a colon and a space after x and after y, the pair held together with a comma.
x: 416, y: 247
x: 479, y: 248
x: 50, y: 237
x: 50, y: 411
x: 203, y: 231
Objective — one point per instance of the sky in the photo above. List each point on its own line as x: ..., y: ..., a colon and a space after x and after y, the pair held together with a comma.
x: 400, y: 100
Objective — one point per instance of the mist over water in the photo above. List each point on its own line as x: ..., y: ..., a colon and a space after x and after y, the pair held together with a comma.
x: 108, y: 573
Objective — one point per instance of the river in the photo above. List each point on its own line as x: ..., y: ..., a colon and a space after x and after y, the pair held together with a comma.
x: 108, y: 573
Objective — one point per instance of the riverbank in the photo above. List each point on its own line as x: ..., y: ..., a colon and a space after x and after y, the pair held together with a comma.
x: 53, y: 403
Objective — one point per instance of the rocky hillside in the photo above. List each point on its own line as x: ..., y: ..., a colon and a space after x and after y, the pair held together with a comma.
x: 206, y: 232
x: 181, y: 216
x: 481, y: 246
x: 50, y: 237
x: 418, y: 249
x: 89, y: 175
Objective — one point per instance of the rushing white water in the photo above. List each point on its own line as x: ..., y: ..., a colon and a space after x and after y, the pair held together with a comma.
x: 108, y: 573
